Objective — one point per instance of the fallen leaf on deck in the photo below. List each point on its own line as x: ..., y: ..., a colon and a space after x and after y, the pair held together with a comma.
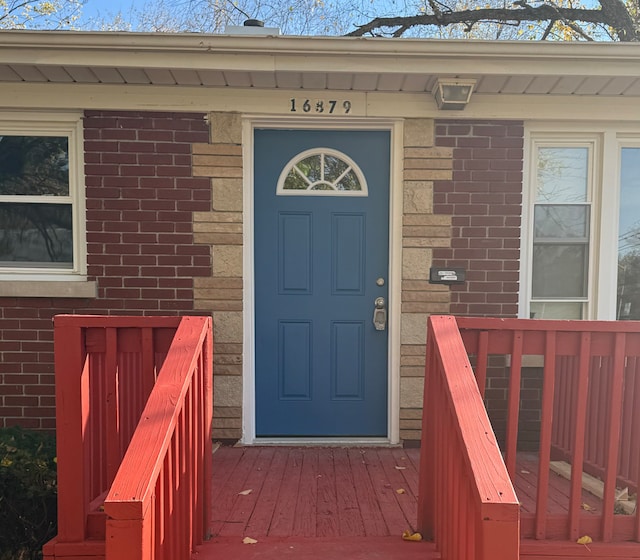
x: 245, y: 492
x: 400, y: 468
x: 249, y: 540
x: 585, y: 540
x: 400, y: 491
x: 409, y: 536
x: 587, y: 507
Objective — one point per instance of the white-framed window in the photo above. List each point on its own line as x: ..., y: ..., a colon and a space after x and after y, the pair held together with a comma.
x: 562, y: 178
x: 42, y: 201
x: 581, y: 223
x: 42, y: 206
x: 321, y: 172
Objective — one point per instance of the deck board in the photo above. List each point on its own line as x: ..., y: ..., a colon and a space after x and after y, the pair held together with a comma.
x: 284, y: 513
x: 407, y: 501
x: 372, y: 518
x: 306, y: 510
x: 327, y: 509
x: 264, y: 509
x: 244, y: 505
x: 350, y: 523
x: 227, y: 495
x: 385, y: 494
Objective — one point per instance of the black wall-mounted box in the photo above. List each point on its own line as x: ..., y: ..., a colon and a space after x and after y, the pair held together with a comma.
x: 446, y: 275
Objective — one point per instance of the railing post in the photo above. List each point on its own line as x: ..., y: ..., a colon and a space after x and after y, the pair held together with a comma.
x: 577, y: 458
x: 466, y: 501
x: 72, y: 410
x: 208, y: 427
x: 426, y: 475
x: 129, y: 539
x: 613, y: 435
x: 500, y: 540
x: 548, y: 392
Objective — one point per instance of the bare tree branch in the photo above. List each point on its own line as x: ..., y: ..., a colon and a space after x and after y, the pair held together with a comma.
x: 496, y: 19
x: 612, y: 13
x: 548, y: 30
x: 578, y: 30
x: 619, y: 18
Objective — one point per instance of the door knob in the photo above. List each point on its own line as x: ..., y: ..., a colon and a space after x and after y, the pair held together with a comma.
x: 380, y: 314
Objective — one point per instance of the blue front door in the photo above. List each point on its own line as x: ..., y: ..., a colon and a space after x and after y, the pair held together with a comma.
x: 321, y: 206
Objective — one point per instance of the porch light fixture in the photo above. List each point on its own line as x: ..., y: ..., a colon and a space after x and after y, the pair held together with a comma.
x: 452, y: 94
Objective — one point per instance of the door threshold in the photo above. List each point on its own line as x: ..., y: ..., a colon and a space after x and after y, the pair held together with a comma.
x: 321, y: 442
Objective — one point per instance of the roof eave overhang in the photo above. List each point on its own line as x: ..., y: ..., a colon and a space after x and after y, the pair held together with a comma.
x: 318, y: 54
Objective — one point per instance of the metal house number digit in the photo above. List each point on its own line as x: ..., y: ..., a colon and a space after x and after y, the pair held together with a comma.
x: 320, y: 106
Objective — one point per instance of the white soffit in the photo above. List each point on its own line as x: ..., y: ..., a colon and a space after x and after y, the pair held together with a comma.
x: 318, y: 63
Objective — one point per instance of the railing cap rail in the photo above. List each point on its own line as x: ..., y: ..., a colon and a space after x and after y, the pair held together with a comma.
x: 497, y: 323
x: 116, y: 321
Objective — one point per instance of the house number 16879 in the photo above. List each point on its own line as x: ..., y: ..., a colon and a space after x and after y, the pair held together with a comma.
x: 329, y: 106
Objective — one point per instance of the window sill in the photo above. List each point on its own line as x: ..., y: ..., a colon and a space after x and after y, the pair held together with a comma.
x: 48, y: 289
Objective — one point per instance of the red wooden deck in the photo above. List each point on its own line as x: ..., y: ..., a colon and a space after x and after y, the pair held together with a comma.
x: 306, y: 503
x: 314, y: 503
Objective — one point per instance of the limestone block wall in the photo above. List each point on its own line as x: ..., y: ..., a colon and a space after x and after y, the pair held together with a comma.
x: 422, y: 231
x: 221, y: 294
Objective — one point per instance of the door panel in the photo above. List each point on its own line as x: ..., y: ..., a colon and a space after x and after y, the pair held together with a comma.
x: 321, y: 367
x: 294, y: 360
x: 295, y: 252
x: 347, y: 254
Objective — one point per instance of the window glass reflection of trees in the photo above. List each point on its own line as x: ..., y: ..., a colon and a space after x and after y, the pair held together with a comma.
x: 35, y: 228
x: 628, y: 300
x: 560, y: 231
x: 322, y: 172
x: 562, y: 174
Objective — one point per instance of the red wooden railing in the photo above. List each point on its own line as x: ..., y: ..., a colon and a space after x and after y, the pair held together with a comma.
x: 589, y: 413
x: 157, y: 504
x: 466, y: 500
x: 118, y: 378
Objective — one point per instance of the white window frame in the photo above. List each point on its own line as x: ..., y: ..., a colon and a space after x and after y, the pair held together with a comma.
x: 621, y: 140
x: 607, y: 141
x: 53, y: 282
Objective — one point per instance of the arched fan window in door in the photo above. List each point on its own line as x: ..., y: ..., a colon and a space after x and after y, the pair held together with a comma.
x: 322, y: 172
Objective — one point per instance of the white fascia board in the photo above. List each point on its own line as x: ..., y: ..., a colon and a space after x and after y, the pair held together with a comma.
x: 277, y: 102
x: 348, y: 54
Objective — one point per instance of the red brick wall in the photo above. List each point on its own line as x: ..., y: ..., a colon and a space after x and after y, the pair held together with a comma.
x: 484, y: 199
x: 140, y: 249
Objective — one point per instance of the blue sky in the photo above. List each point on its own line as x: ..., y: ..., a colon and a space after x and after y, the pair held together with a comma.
x: 106, y: 8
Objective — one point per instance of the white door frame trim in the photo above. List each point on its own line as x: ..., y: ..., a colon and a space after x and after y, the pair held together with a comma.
x: 395, y: 128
